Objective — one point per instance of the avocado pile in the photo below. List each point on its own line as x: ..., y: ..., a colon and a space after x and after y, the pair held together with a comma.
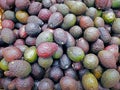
x: 60, y: 44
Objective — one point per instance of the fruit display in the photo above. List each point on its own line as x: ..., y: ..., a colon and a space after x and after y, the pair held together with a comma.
x: 59, y: 44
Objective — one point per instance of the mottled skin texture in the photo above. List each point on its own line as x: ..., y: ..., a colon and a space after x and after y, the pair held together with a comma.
x: 22, y: 4
x: 110, y: 78
x: 45, y: 36
x: 35, y: 19
x: 115, y: 26
x: 56, y: 74
x: 18, y: 68
x: 97, y: 46
x: 55, y: 20
x: 8, y: 24
x: 8, y: 35
x: 19, y: 42
x: 65, y: 62
x: 44, y: 14
x: 11, y: 53
x: 68, y: 83
x: 71, y: 73
x: 103, y: 4
x: 22, y: 32
x: 4, y: 5
x: 114, y: 49
x: 82, y: 43
x: 89, y: 82
x: 45, y: 62
x: 107, y: 59
x: 91, y: 34
x: 76, y: 7
x: 48, y: 3
x: 85, y: 22
x: 46, y: 84
x: 60, y: 36
x: 104, y: 35
x: 75, y: 31
x: 32, y: 29
x: 46, y: 49
x: 30, y: 41
x: 34, y: 8
x: 22, y: 16
x: 69, y: 21
x: 24, y: 84
x: 37, y: 71
x: 70, y: 40
x: 75, y: 53
x: 58, y: 53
